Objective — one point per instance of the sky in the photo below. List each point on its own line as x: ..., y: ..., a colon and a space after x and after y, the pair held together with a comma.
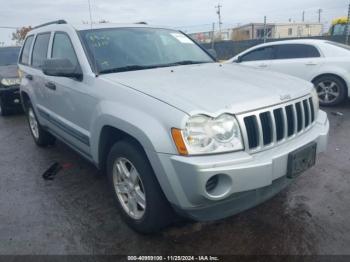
x: 188, y: 15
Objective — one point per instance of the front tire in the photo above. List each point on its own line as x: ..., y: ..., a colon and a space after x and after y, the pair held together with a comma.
x: 136, y: 190
x: 331, y: 90
x: 41, y: 137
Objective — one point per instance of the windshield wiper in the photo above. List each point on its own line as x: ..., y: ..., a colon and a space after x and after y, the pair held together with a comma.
x: 140, y: 67
x: 125, y: 69
x: 185, y: 62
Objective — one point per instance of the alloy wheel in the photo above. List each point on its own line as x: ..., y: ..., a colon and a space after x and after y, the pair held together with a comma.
x: 129, y: 188
x: 33, y: 123
x: 328, y: 91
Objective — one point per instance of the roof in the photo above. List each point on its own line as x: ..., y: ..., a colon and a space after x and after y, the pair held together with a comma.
x: 57, y: 25
x: 296, y: 41
x: 340, y: 20
x: 108, y: 25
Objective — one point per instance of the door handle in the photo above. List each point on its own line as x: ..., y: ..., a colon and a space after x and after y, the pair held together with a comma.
x: 310, y: 64
x: 50, y: 85
x: 29, y: 77
x: 263, y: 65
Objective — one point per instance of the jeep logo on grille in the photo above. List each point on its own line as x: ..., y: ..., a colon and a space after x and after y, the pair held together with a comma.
x: 285, y: 97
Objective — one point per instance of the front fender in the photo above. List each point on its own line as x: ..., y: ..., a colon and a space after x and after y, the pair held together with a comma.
x: 150, y: 126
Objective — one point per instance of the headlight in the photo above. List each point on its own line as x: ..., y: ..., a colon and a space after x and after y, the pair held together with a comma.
x: 203, y: 135
x: 10, y: 81
x: 315, y: 101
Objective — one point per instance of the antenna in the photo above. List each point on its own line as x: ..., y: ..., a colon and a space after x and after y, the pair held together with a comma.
x: 93, y: 48
x: 89, y: 3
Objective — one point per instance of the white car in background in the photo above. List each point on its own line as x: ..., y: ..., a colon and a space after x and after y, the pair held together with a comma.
x: 322, y: 62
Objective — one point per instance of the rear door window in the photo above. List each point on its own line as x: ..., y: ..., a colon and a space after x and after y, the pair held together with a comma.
x: 292, y: 51
x: 26, y: 50
x: 40, y: 49
x: 264, y: 53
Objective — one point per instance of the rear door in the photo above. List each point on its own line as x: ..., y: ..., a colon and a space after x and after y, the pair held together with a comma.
x: 32, y: 58
x: 300, y: 60
x: 258, y: 58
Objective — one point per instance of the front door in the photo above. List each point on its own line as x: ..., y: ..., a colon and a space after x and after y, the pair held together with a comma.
x: 70, y: 104
x: 258, y: 58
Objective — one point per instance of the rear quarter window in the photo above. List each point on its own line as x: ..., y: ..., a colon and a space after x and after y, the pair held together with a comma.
x: 26, y: 50
x: 292, y: 51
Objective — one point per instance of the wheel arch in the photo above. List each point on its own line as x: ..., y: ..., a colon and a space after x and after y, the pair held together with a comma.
x: 25, y: 100
x: 109, y: 135
x: 336, y: 76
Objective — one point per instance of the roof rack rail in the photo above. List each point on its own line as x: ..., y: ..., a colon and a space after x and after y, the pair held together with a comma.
x: 51, y: 23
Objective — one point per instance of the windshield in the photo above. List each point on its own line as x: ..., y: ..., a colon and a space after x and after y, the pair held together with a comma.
x: 339, y: 29
x: 9, y: 55
x: 125, y: 49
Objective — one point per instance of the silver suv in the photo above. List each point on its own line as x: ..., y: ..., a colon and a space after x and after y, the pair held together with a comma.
x: 176, y: 132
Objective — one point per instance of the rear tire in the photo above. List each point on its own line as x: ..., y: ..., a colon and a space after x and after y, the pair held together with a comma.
x: 331, y: 90
x: 4, y: 111
x: 131, y: 178
x: 41, y: 137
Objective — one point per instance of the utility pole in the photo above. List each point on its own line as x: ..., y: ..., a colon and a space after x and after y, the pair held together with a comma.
x: 265, y: 36
x: 213, y: 36
x: 347, y: 27
x: 319, y: 11
x: 218, y: 12
x: 303, y: 17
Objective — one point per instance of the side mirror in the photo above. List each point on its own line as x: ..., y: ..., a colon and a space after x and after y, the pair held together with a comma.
x: 62, y: 68
x: 213, y: 53
x: 239, y: 59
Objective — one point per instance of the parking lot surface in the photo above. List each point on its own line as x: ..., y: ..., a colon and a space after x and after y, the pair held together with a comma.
x: 75, y: 214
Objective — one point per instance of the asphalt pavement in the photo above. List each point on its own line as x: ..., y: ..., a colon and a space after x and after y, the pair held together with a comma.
x: 75, y: 213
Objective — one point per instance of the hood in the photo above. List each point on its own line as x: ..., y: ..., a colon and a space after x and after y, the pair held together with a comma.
x: 9, y: 71
x: 214, y: 88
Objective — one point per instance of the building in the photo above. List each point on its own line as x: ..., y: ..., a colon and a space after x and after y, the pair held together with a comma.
x: 207, y: 37
x: 276, y: 30
x: 256, y: 31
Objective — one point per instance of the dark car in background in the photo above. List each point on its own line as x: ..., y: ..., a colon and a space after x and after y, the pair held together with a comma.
x: 9, y: 80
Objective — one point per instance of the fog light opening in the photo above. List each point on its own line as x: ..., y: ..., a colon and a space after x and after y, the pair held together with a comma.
x: 218, y: 185
x: 212, y: 183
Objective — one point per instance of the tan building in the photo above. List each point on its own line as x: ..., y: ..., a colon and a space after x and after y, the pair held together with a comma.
x: 276, y: 30
x: 206, y: 37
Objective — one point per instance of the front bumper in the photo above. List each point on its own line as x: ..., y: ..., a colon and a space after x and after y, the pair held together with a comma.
x: 10, y: 97
x: 249, y: 179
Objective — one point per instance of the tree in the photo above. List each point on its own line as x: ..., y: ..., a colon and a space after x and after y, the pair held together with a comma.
x: 20, y: 34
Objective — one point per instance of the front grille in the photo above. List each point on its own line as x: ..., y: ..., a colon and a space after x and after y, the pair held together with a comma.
x: 274, y: 125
